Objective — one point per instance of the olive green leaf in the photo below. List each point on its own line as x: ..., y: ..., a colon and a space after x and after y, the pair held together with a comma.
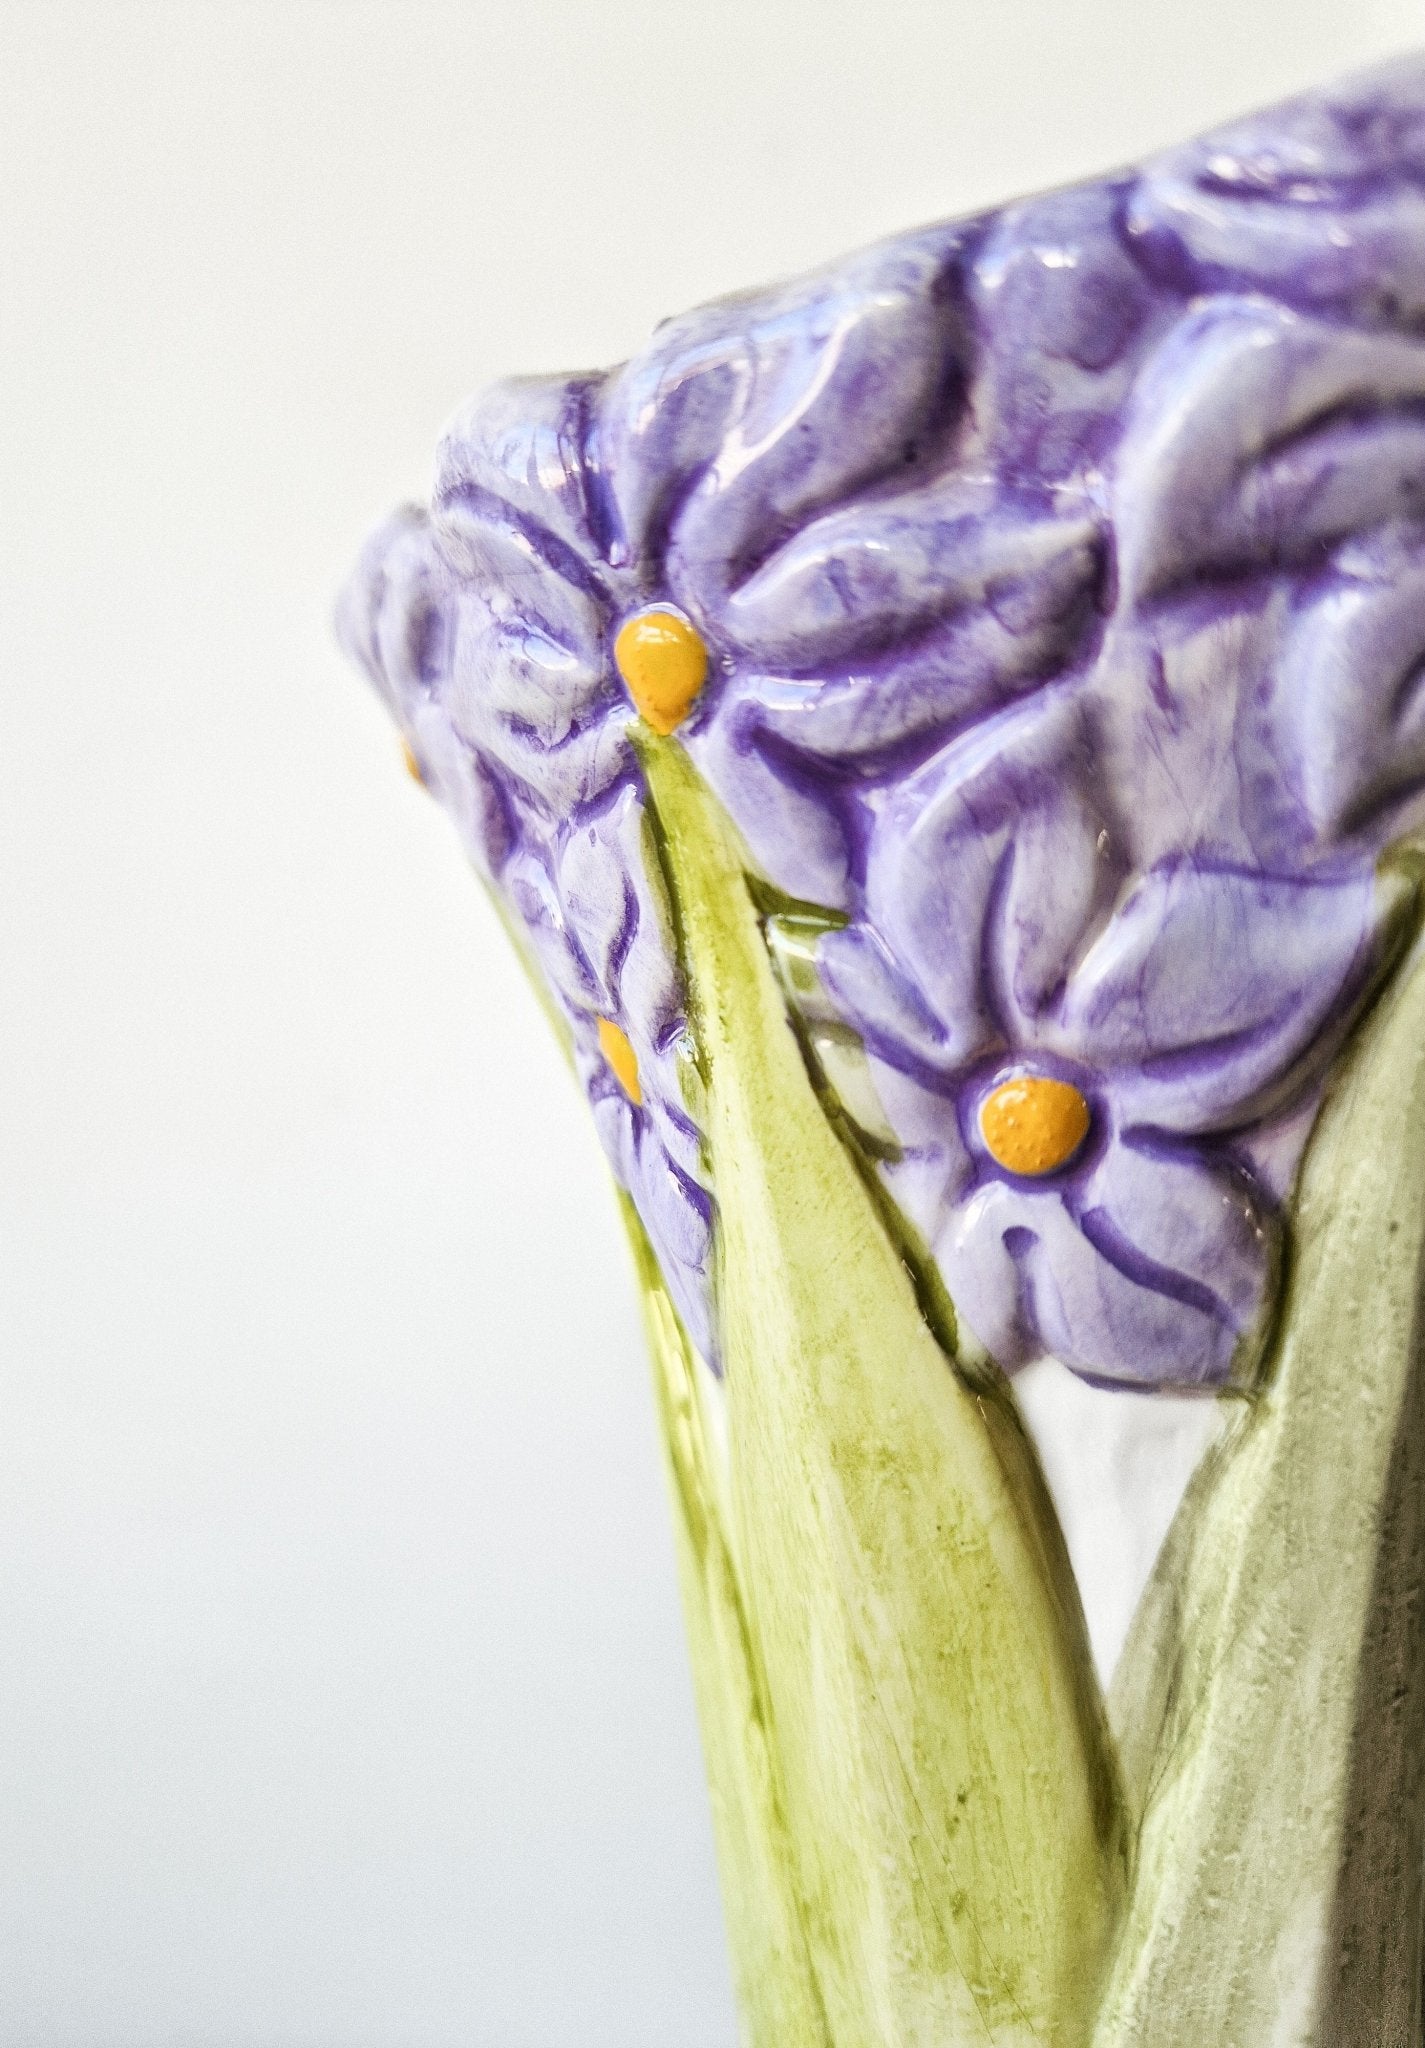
x: 1270, y: 1698
x: 929, y: 1764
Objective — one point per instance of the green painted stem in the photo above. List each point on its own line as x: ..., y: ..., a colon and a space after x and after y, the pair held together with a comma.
x: 771, y: 1956
x: 912, y: 1779
x: 1272, y: 1699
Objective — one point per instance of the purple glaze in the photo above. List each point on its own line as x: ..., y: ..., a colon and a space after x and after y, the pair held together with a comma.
x: 1063, y: 573
x: 599, y: 936
x: 516, y: 739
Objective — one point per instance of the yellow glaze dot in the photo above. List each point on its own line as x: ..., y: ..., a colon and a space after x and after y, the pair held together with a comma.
x: 664, y: 664
x: 614, y: 1046
x: 413, y: 766
x: 1033, y: 1124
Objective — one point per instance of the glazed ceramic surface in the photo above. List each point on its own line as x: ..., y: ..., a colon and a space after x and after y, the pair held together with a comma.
x: 949, y: 736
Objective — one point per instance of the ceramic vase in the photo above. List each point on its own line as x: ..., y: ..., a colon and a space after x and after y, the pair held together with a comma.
x: 948, y: 738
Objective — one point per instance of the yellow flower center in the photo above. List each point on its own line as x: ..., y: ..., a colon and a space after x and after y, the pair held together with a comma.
x: 664, y: 664
x: 1032, y: 1125
x: 622, y: 1058
x: 413, y: 766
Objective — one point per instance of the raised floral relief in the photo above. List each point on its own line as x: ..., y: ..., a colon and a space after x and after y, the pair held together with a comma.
x: 1057, y: 578
x: 971, y: 701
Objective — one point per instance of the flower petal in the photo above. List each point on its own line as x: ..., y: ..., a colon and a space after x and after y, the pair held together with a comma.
x: 988, y: 867
x: 1255, y: 435
x: 745, y: 418
x: 1158, y: 1281
x: 1318, y: 200
x: 615, y: 904
x: 1351, y: 698
x: 791, y: 828
x: 1210, y: 986
x: 1201, y: 1220
x: 546, y: 708
x: 596, y: 927
x: 534, y: 897
x: 886, y: 1009
x: 513, y: 458
x: 674, y: 1210
x: 870, y: 574
x: 895, y: 625
x: 1061, y: 311
x: 396, y: 620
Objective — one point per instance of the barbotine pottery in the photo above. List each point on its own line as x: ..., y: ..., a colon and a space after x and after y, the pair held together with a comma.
x: 949, y: 737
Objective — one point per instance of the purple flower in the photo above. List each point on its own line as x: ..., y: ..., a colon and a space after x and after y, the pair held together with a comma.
x: 1007, y: 933
x: 602, y: 944
x: 508, y: 713
x: 1318, y: 202
x: 1062, y: 576
x: 398, y: 619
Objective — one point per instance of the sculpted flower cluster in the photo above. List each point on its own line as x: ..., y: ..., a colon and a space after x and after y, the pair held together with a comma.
x: 1056, y: 583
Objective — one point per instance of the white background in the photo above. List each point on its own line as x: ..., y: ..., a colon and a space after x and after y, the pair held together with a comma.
x: 341, y: 1693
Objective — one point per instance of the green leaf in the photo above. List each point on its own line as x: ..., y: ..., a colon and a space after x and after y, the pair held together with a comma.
x: 1272, y: 1697
x: 938, y: 1790
x: 770, y: 1951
